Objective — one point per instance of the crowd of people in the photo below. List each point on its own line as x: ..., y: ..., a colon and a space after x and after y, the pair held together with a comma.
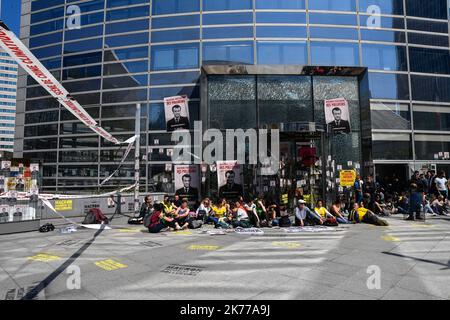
x: 367, y: 202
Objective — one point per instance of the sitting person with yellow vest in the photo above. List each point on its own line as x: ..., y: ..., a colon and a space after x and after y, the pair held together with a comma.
x: 360, y: 214
x: 327, y: 218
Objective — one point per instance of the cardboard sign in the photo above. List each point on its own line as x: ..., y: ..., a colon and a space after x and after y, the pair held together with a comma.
x: 63, y: 205
x: 347, y: 178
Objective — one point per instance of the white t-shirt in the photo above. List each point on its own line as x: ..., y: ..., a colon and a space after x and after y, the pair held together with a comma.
x: 241, y: 214
x: 441, y: 183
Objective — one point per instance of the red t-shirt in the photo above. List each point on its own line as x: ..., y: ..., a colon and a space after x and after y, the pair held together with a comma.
x: 154, y: 219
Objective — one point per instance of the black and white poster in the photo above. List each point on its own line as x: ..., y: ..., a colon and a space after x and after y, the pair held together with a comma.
x: 337, y: 116
x: 187, y: 182
x: 177, y: 113
x: 229, y: 179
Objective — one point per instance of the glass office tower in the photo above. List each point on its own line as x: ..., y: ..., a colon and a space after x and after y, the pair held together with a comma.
x: 140, y: 51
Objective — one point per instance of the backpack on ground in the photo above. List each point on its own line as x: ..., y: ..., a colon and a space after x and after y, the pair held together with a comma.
x: 135, y: 221
x: 95, y: 216
x: 195, y: 224
x: 284, y: 222
x: 47, y: 227
x: 331, y: 222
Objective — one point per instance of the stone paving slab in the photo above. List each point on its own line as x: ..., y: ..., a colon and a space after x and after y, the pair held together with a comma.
x: 412, y: 257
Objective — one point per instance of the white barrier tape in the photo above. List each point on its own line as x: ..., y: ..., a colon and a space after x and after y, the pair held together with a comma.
x: 25, y: 58
x: 68, y: 197
x: 127, y: 152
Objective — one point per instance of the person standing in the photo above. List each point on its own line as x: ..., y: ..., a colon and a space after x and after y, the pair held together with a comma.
x: 358, y: 189
x: 441, y: 184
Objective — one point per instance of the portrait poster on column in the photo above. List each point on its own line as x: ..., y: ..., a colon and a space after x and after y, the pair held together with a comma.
x: 229, y: 179
x: 187, y: 182
x: 176, y: 110
x: 4, y: 214
x: 337, y: 116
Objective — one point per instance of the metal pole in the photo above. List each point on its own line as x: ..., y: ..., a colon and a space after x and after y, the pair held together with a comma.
x: 136, y: 158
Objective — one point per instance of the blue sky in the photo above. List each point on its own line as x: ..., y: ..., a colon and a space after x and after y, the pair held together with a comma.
x: 10, y: 14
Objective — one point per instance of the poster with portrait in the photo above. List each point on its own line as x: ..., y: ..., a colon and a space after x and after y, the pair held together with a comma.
x: 176, y: 110
x: 2, y: 184
x: 34, y: 169
x: 6, y: 165
x: 20, y: 213
x: 5, y: 215
x: 337, y: 116
x: 229, y: 179
x: 187, y: 182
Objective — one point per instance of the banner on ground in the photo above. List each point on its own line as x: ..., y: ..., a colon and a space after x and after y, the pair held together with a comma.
x: 177, y: 113
x: 229, y: 179
x: 337, y: 116
x: 187, y: 182
x: 23, y: 56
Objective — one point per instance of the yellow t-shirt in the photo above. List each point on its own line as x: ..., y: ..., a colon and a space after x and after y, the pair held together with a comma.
x: 361, y: 213
x: 321, y: 212
x: 167, y: 207
x: 219, y: 212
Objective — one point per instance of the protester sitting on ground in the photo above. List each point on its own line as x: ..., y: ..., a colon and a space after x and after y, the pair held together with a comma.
x: 284, y: 221
x: 427, y: 209
x: 155, y: 222
x: 146, y: 208
x: 204, y: 210
x: 250, y: 207
x: 218, y: 212
x: 337, y: 213
x: 324, y: 214
x: 273, y: 209
x: 168, y: 219
x: 388, y: 207
x: 182, y: 214
x: 240, y: 216
x: 360, y: 214
x: 261, y: 212
x: 403, y: 203
x: 438, y: 205
x: 305, y: 217
x: 375, y: 205
x: 176, y: 203
x: 167, y: 205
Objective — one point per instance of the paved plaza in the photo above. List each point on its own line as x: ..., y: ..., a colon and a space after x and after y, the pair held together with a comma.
x: 411, y: 258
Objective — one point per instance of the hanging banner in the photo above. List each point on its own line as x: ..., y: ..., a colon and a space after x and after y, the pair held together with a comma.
x: 187, y: 182
x: 337, y: 116
x: 23, y: 56
x: 177, y: 113
x: 127, y: 152
x: 229, y: 179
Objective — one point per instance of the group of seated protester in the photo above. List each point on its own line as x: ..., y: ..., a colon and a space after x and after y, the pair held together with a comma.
x: 177, y: 215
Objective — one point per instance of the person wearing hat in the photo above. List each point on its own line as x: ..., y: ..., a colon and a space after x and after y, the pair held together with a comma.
x: 304, y: 216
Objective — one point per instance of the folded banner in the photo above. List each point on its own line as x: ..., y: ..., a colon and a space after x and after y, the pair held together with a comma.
x: 23, y: 56
x: 127, y: 152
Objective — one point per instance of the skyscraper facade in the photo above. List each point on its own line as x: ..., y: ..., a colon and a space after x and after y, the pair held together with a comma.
x: 112, y: 54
